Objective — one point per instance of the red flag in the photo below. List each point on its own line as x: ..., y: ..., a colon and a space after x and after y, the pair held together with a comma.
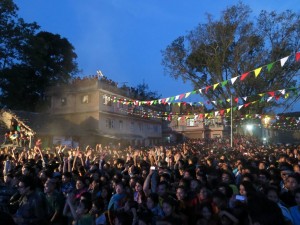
x: 297, y: 56
x: 271, y: 93
x: 206, y: 89
x: 244, y: 75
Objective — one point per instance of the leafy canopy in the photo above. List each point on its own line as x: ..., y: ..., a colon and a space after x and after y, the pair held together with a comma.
x: 223, y: 48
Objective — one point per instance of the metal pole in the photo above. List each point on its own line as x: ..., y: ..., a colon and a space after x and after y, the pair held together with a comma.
x: 231, y: 123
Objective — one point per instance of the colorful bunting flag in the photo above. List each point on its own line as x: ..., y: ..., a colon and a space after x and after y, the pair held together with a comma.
x: 297, y: 56
x: 257, y: 71
x: 233, y: 80
x: 283, y: 61
x: 244, y: 75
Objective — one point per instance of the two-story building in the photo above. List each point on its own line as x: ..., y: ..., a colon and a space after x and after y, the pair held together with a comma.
x: 89, y: 111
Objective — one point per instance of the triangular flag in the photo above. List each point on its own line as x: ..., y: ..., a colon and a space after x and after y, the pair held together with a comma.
x: 233, y: 80
x: 246, y: 105
x: 228, y: 110
x: 228, y: 100
x: 297, y: 56
x: 172, y: 99
x: 187, y: 94
x: 282, y: 91
x: 224, y: 83
x: 176, y: 97
x: 167, y: 99
x: 271, y: 93
x: 206, y: 89
x: 257, y: 71
x: 244, y: 76
x: 179, y: 118
x: 222, y: 112
x: 181, y: 96
x: 214, y: 102
x: 240, y: 106
x: 283, y: 61
x: 270, y: 66
x: 200, y: 91
x: 178, y: 103
x: 216, y: 113
x: 236, y: 99
x: 269, y: 99
x: 194, y: 92
x: 216, y: 85
x: 245, y: 98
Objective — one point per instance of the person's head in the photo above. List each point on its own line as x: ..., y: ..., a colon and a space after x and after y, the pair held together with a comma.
x: 272, y: 194
x: 26, y: 185
x: 152, y: 200
x: 204, y: 193
x: 246, y: 188
x: 225, y: 189
x: 162, y: 188
x: 169, y: 206
x: 181, y: 193
x: 83, y: 207
x: 49, y: 186
x: 226, y: 177
x: 292, y: 182
x: 285, y: 171
x: 66, y: 177
x: 262, y: 165
x: 206, y: 211
x: 263, y: 177
x: 80, y: 183
x: 194, y: 185
x: 139, y: 185
x: 119, y: 188
x: 26, y: 170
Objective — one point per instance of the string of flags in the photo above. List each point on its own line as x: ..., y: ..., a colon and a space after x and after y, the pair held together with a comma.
x: 180, y: 97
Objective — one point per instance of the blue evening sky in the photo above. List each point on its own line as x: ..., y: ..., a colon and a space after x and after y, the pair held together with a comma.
x: 124, y: 38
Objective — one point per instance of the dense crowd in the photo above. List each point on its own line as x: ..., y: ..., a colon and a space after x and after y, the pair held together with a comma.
x: 197, y: 182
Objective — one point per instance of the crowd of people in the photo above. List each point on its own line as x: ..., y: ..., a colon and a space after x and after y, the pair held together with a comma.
x: 201, y: 182
x: 17, y: 135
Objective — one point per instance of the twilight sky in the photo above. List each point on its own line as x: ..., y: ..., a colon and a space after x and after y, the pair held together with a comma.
x: 124, y: 38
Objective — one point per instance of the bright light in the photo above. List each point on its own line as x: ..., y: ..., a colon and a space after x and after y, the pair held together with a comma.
x: 249, y: 127
x: 264, y: 139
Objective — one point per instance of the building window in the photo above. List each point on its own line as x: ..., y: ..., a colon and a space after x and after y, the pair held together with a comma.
x: 121, y: 124
x: 155, y: 128
x: 63, y: 101
x: 190, y: 122
x: 109, y: 123
x: 140, y: 126
x: 85, y: 99
x: 107, y: 100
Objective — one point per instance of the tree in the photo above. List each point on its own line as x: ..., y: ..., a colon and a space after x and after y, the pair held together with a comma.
x: 144, y: 93
x: 30, y: 61
x: 232, y: 45
x: 14, y: 33
x: 48, y: 60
